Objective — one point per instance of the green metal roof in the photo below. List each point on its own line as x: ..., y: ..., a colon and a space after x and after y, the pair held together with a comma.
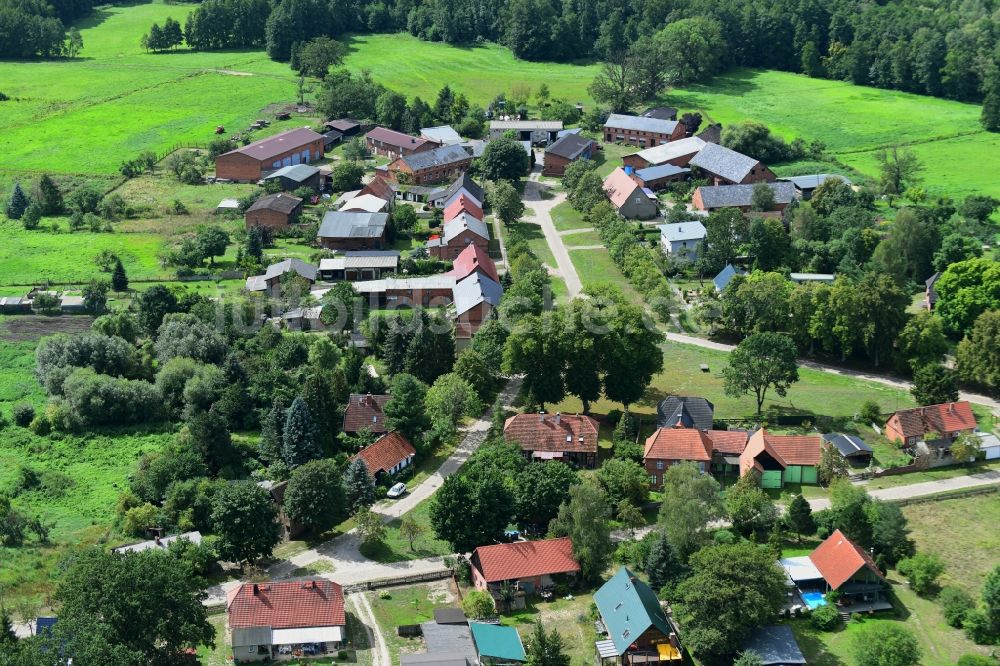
x: 497, y: 641
x: 629, y: 607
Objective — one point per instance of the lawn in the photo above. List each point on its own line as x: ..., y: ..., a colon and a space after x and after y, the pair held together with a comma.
x: 417, y: 68
x: 571, y: 616
x: 395, y: 548
x: 565, y: 217
x: 582, y: 238
x: 412, y: 604
x: 853, y: 121
x: 816, y: 392
x: 595, y: 267
x: 963, y: 533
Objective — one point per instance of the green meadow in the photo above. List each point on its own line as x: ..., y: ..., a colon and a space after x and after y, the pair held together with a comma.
x: 855, y: 121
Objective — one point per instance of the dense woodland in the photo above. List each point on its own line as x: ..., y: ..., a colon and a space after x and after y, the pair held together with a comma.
x: 945, y: 49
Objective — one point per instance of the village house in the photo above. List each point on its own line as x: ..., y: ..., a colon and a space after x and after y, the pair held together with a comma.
x: 342, y: 230
x: 249, y: 163
x: 358, y: 265
x: 723, y: 166
x: 382, y: 188
x: 461, y: 186
x: 529, y: 567
x: 630, y: 200
x: 660, y: 113
x: 781, y: 459
x: 457, y: 234
x: 392, y: 144
x: 838, y: 565
x: 388, y: 455
x: 851, y: 448
x: 443, y: 135
x: 682, y: 411
x: 296, y: 176
x: 274, y: 211
x: 474, y: 297
x: 715, y: 451
x: 347, y: 127
x: 565, y: 437
x: 497, y: 645
x: 725, y: 276
x: 270, y: 282
x: 676, y: 153
x: 930, y: 429
x: 682, y: 240
x: 427, y: 291
x: 471, y: 260
x: 304, y: 319
x: 364, y: 411
x: 430, y: 166
x: 806, y: 185
x: 462, y: 204
x: 534, y: 131
x: 641, y: 131
x: 717, y: 197
x: 930, y: 291
x: 263, y: 618
x: 656, y: 178
x: 365, y: 203
x: 638, y: 630
x: 564, y: 151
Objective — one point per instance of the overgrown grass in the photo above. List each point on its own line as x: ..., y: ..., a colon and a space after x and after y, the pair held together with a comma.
x: 395, y: 548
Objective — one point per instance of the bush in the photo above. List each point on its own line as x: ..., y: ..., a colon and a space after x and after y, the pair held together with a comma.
x: 978, y: 627
x: 870, y: 412
x: 23, y: 414
x: 922, y: 570
x: 478, y: 605
x: 955, y: 605
x: 976, y: 660
x: 825, y: 618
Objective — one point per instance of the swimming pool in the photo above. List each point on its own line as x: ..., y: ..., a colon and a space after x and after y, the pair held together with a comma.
x: 813, y: 599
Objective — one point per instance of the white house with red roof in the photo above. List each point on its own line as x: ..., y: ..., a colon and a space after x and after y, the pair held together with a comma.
x: 263, y: 618
x: 529, y: 566
x: 389, y: 454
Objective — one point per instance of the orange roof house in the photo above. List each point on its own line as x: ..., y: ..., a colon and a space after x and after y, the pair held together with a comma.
x: 462, y: 204
x: 523, y: 560
x: 947, y: 420
x: 474, y: 258
x: 389, y: 454
x: 632, y: 201
x: 781, y: 459
x: 676, y: 444
x: 286, y: 613
x: 365, y: 411
x: 570, y: 438
x: 839, y: 560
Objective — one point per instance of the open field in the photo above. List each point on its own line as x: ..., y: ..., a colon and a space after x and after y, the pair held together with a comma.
x: 962, y: 532
x: 853, y: 121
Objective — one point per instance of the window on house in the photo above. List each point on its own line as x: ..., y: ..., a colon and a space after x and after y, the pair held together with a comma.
x: 659, y: 464
x: 652, y: 479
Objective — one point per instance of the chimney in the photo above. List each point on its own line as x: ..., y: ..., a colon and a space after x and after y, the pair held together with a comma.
x: 541, y: 417
x: 256, y: 590
x: 558, y: 418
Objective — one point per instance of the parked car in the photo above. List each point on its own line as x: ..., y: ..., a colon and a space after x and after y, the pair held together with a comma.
x: 396, y: 491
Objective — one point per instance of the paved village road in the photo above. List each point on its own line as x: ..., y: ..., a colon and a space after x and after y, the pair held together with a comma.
x: 913, y: 490
x: 974, y: 398
x: 541, y: 214
x: 340, y: 558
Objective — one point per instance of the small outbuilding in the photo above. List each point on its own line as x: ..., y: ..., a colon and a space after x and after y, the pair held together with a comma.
x: 388, y: 455
x: 851, y: 447
x: 296, y: 176
x: 274, y: 211
x: 497, y: 644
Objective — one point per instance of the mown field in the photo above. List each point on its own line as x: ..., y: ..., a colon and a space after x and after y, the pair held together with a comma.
x: 855, y: 121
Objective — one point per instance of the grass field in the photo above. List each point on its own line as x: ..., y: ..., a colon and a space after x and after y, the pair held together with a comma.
x: 854, y: 121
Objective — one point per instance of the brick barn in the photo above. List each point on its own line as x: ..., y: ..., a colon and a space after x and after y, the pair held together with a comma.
x: 431, y: 166
x: 566, y: 150
x: 722, y: 166
x: 393, y: 144
x: 249, y: 163
x: 640, y: 131
x: 342, y: 230
x: 274, y: 211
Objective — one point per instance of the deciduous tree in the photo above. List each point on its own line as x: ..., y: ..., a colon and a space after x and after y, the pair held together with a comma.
x: 584, y: 518
x: 759, y: 363
x: 315, y: 495
x: 691, y: 502
x: 243, y: 517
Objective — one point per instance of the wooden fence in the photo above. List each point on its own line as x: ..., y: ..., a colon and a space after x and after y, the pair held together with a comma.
x: 397, y: 580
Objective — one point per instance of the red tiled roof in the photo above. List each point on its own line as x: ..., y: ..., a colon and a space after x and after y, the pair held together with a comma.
x: 525, y: 559
x: 314, y: 603
x: 279, y: 144
x: 388, y: 451
x: 619, y: 187
x: 394, y: 138
x: 380, y: 188
x: 728, y: 442
x: 678, y: 444
x: 549, y: 432
x: 462, y: 203
x: 365, y: 411
x: 471, y: 259
x: 797, y: 449
x: 943, y: 418
x: 838, y: 559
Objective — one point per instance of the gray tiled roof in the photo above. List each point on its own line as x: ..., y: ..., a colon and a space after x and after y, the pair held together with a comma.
x: 726, y: 196
x: 465, y: 182
x: 344, y: 224
x: 569, y: 146
x: 281, y: 202
x: 724, y: 162
x: 640, y: 124
x: 308, y: 271
x: 682, y: 231
x: 371, y: 259
x: 462, y: 222
x: 688, y: 411
x: 442, y: 156
x: 474, y: 290
x: 813, y: 181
